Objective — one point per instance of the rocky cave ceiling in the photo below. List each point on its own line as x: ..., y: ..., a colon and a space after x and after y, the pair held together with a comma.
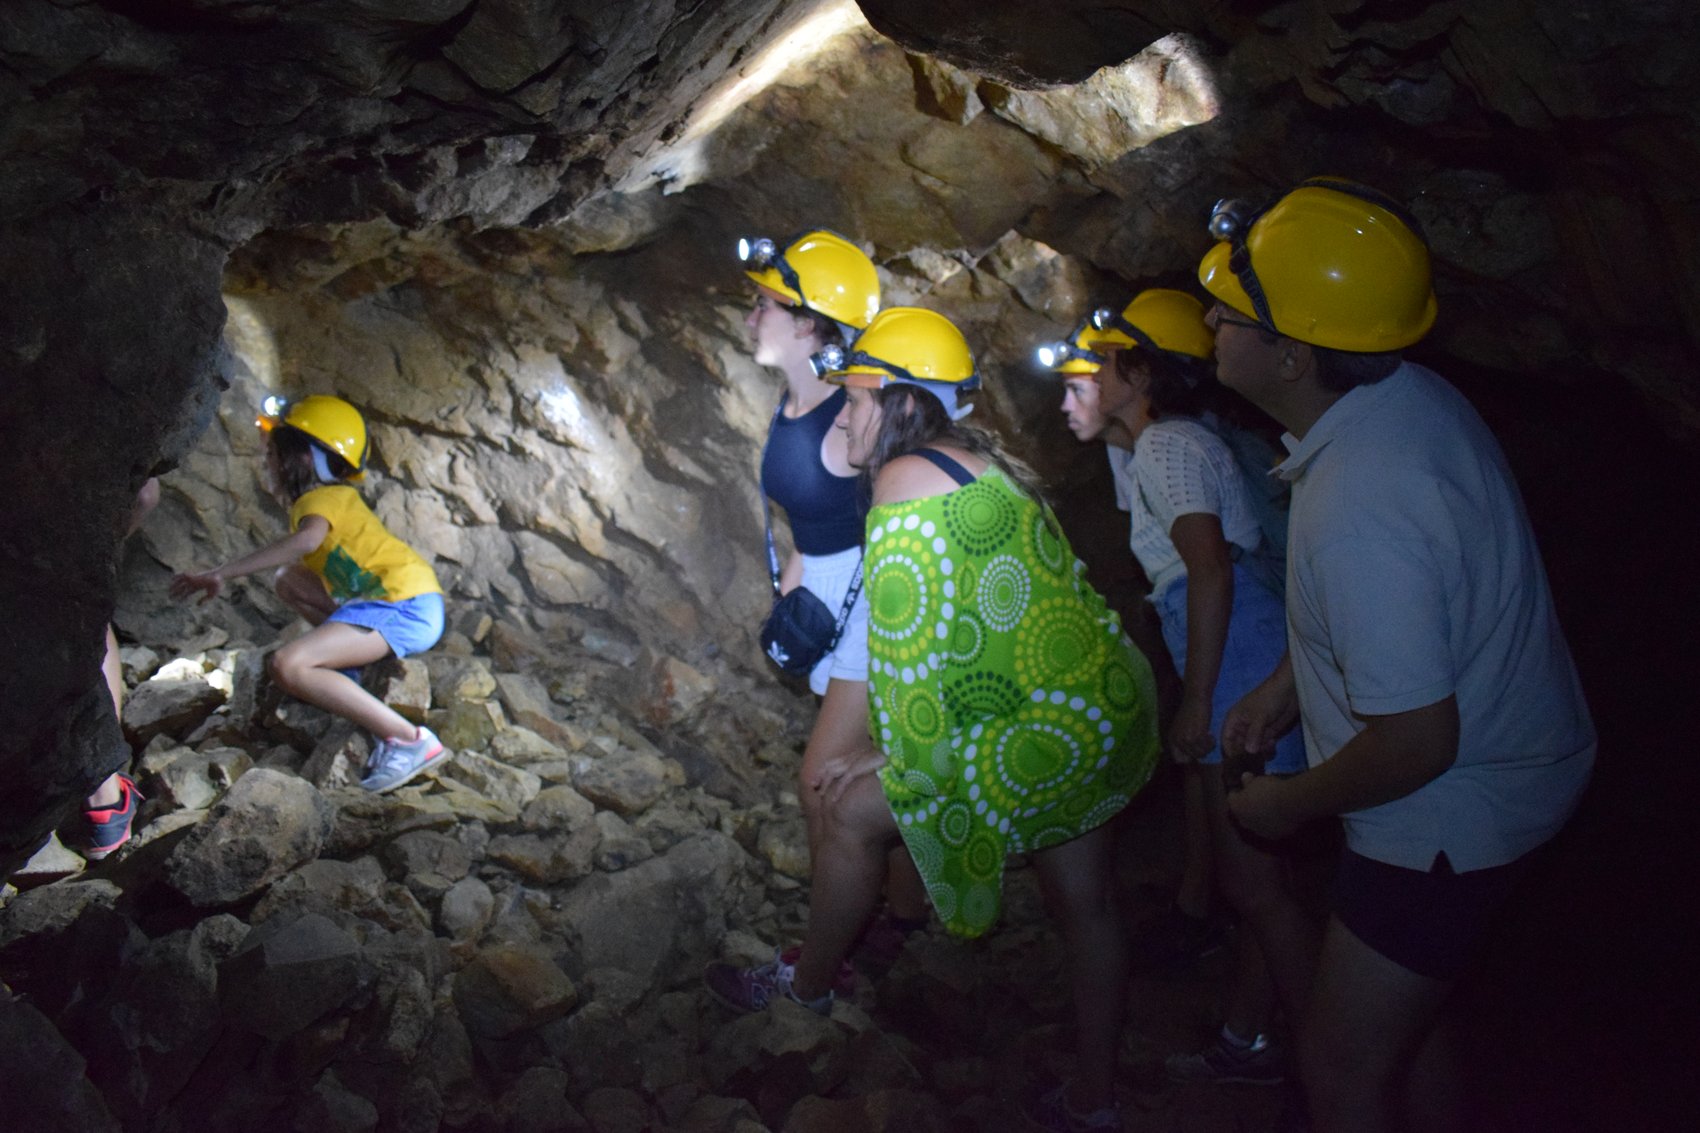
x: 504, y: 227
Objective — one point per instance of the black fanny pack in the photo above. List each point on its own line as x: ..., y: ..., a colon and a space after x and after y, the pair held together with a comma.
x: 800, y: 629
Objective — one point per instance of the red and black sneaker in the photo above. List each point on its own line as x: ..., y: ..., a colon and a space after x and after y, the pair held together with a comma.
x: 106, y: 829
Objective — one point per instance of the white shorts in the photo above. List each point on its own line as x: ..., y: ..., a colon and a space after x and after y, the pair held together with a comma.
x: 828, y: 577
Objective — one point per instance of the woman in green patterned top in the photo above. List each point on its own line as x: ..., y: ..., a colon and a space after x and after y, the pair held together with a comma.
x: 1012, y: 713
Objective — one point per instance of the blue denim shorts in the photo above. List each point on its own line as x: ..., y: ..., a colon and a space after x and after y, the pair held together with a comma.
x: 1257, y: 639
x: 410, y: 626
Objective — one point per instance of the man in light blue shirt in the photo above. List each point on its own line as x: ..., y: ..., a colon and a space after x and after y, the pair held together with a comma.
x: 1443, y: 719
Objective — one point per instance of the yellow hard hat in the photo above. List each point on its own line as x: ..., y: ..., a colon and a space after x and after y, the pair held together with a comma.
x: 909, y: 346
x: 1075, y: 356
x: 820, y: 271
x: 330, y: 421
x: 1158, y: 319
x: 1333, y: 263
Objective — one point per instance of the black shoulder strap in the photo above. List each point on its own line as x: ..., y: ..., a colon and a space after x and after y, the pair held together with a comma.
x: 949, y: 466
x: 761, y: 490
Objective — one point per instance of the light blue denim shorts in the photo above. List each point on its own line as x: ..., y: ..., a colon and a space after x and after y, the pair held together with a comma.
x: 410, y: 626
x: 1257, y: 639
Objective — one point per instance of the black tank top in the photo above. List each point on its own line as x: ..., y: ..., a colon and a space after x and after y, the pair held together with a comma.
x: 824, y: 509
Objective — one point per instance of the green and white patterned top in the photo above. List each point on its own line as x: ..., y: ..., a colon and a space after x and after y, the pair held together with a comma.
x: 1013, y: 713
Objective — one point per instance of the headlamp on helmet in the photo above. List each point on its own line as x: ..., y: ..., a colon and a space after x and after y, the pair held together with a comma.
x: 762, y: 254
x: 759, y: 251
x: 272, y: 410
x: 830, y: 359
x: 1054, y: 354
x: 1110, y: 320
x: 1231, y: 219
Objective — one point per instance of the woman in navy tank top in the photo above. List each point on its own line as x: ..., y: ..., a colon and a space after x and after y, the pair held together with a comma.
x: 814, y: 290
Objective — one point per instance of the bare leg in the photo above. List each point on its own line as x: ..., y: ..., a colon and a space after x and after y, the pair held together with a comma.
x: 841, y: 732
x: 905, y: 892
x: 1251, y: 991
x: 1257, y: 884
x: 1194, y: 896
x: 1080, y: 892
x: 302, y: 592
x: 848, y: 868
x: 1368, y: 1019
x: 1435, y: 1100
x: 307, y: 667
x: 108, y: 794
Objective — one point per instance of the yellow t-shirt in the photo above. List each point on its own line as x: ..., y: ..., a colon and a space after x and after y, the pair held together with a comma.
x: 360, y: 560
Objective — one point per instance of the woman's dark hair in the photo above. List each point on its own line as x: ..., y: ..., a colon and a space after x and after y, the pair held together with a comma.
x: 912, y: 419
x: 295, y: 461
x: 827, y: 329
x: 1180, y: 385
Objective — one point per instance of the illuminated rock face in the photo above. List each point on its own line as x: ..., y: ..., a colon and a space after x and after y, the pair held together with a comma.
x: 502, y: 229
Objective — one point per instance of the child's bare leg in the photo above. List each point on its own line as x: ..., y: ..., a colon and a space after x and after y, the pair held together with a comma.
x: 307, y: 667
x: 302, y: 592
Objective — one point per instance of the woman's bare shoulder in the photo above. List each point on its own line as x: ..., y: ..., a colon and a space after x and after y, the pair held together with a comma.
x: 914, y: 477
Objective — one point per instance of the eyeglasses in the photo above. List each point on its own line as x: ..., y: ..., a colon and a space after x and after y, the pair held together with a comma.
x: 834, y: 359
x: 1224, y: 319
x: 764, y: 253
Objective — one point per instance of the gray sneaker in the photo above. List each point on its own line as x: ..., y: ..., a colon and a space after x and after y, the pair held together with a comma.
x: 1259, y: 1064
x: 393, y: 763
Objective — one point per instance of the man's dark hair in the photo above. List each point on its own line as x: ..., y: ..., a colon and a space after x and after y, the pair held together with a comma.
x: 1341, y: 371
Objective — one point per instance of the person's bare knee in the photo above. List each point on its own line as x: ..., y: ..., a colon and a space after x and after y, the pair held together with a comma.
x: 860, y: 816
x: 1075, y: 879
x: 286, y: 668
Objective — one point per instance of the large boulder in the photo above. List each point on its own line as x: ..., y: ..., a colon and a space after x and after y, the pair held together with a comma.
x: 657, y: 918
x: 265, y: 826
x: 288, y: 973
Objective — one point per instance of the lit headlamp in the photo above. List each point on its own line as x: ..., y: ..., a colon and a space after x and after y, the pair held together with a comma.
x: 1231, y: 221
x: 756, y: 252
x: 272, y: 410
x: 762, y: 254
x: 1054, y: 354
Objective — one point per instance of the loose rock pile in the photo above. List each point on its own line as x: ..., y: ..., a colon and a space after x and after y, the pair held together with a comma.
x: 513, y: 944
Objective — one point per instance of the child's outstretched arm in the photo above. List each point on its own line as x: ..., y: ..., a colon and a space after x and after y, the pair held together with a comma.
x: 291, y: 548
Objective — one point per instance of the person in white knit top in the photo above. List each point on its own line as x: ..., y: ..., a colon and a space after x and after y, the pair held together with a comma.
x: 1196, y: 535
